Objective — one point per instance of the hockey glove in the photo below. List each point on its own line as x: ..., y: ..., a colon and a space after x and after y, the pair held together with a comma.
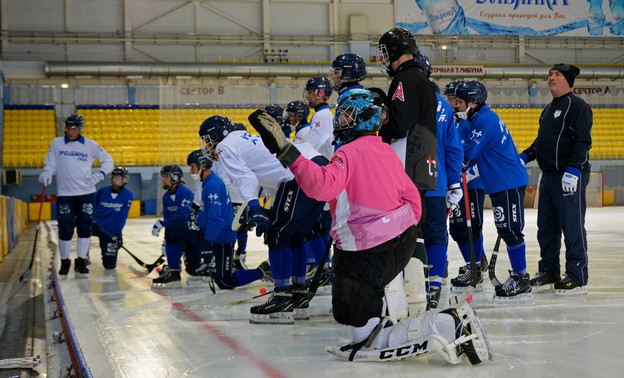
x: 157, y: 227
x: 258, y: 216
x: 95, y: 178
x: 453, y: 195
x: 45, y: 178
x: 569, y: 181
x: 273, y: 137
x: 524, y: 159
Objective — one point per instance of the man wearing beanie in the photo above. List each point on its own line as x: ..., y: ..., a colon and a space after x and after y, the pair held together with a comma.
x: 562, y: 153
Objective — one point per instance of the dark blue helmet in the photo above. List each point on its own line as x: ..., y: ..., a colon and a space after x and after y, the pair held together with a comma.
x: 394, y: 43
x: 174, y: 172
x: 277, y: 112
x: 472, y: 91
x: 299, y: 110
x: 75, y: 120
x: 212, y: 131
x: 423, y: 63
x: 239, y: 126
x: 193, y: 157
x: 125, y: 177
x: 319, y: 86
x: 347, y: 68
x: 449, y: 89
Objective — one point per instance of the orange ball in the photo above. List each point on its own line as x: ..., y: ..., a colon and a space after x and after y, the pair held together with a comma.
x: 263, y: 290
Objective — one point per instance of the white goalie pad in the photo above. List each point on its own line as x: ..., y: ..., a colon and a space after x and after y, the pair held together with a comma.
x: 396, y: 299
x: 415, y: 286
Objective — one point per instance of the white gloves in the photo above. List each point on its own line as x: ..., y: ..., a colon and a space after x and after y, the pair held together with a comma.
x: 453, y: 195
x: 95, y: 178
x: 157, y: 227
x: 569, y: 181
x: 45, y: 178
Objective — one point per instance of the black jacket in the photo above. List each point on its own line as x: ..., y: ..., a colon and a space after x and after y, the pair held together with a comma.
x: 564, y: 136
x: 412, y: 107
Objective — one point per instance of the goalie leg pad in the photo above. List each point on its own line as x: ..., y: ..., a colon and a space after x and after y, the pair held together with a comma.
x: 415, y: 286
x: 478, y: 348
x: 396, y: 298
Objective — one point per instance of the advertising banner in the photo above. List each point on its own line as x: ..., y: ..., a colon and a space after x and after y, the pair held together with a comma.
x: 512, y: 17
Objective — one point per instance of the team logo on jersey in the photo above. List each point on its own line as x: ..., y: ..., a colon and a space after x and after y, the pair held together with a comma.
x: 317, y: 123
x: 338, y: 160
x: 557, y: 113
x: 398, y: 94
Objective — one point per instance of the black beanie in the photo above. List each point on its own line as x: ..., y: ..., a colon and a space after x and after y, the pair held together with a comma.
x: 569, y: 71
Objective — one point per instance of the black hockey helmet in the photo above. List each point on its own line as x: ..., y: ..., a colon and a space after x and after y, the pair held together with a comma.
x: 119, y: 172
x: 392, y: 45
x: 174, y: 172
x: 75, y: 120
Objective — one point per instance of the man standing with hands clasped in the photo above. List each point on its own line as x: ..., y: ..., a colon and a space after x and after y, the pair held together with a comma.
x: 562, y: 153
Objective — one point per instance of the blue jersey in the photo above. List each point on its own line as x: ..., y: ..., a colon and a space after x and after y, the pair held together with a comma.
x: 463, y: 129
x: 450, y: 151
x: 111, y: 209
x: 177, y: 206
x: 490, y: 145
x: 215, y: 213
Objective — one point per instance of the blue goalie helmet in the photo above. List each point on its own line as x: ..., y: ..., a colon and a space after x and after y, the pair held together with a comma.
x: 358, y: 113
x: 75, y: 120
x: 212, y: 131
x: 472, y: 91
x: 347, y: 68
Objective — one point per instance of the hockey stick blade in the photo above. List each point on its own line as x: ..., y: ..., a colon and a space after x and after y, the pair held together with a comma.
x: 317, y: 275
x: 250, y: 299
x: 149, y: 267
x: 492, y: 265
x: 236, y: 224
x: 34, y: 249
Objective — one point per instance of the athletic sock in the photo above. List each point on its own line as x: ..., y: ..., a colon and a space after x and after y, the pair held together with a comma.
x: 281, y: 261
x: 243, y: 277
x: 174, y: 252
x: 436, y: 254
x: 300, y: 262
x: 517, y: 257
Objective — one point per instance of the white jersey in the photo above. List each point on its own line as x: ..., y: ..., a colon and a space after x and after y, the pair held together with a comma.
x: 72, y: 163
x: 320, y: 134
x: 249, y: 165
x: 235, y: 194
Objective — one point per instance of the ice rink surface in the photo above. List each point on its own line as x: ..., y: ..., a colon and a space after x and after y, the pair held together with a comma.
x: 127, y: 329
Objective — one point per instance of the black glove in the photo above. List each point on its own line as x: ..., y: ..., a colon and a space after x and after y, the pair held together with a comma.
x: 273, y: 137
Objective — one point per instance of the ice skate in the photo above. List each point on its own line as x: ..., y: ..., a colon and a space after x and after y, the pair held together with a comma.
x: 239, y: 262
x: 462, y: 281
x: 278, y: 309
x: 301, y: 301
x: 169, y: 280
x: 203, y: 270
x: 568, y: 287
x: 265, y: 271
x: 433, y: 297
x: 545, y: 281
x: 483, y: 264
x: 64, y: 270
x: 80, y: 268
x: 517, y: 287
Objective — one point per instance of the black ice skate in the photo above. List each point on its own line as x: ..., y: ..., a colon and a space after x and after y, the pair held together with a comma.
x: 265, y: 271
x: 171, y: 279
x: 462, y: 281
x: 516, y: 288
x: 483, y: 264
x: 301, y: 301
x: 433, y: 297
x: 545, y: 281
x: 568, y: 287
x: 80, y: 268
x: 277, y: 309
x: 65, y: 264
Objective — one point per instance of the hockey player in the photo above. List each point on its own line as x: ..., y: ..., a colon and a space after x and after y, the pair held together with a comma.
x: 561, y: 149
x: 177, y: 202
x: 296, y: 115
x: 457, y: 220
x: 112, y: 205
x: 411, y: 125
x: 347, y: 71
x: 217, y: 245
x: 320, y: 135
x: 71, y: 158
x: 448, y: 193
x: 492, y: 149
x: 375, y: 207
x: 249, y: 167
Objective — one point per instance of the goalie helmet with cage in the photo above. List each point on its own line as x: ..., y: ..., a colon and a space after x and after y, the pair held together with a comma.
x: 472, y: 92
x: 212, y: 131
x: 357, y: 114
x: 347, y: 69
x: 392, y: 45
x: 75, y: 120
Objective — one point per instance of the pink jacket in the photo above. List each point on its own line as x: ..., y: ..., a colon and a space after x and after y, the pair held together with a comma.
x: 371, y: 198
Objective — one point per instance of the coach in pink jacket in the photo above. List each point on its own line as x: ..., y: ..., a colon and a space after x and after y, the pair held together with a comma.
x: 374, y: 205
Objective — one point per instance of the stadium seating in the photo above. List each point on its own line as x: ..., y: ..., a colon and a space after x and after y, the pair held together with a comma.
x: 152, y: 136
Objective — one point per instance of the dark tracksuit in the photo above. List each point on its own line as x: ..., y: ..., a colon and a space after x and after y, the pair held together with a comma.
x: 563, y: 140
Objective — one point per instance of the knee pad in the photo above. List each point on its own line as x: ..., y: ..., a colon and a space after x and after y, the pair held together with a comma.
x: 354, y: 302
